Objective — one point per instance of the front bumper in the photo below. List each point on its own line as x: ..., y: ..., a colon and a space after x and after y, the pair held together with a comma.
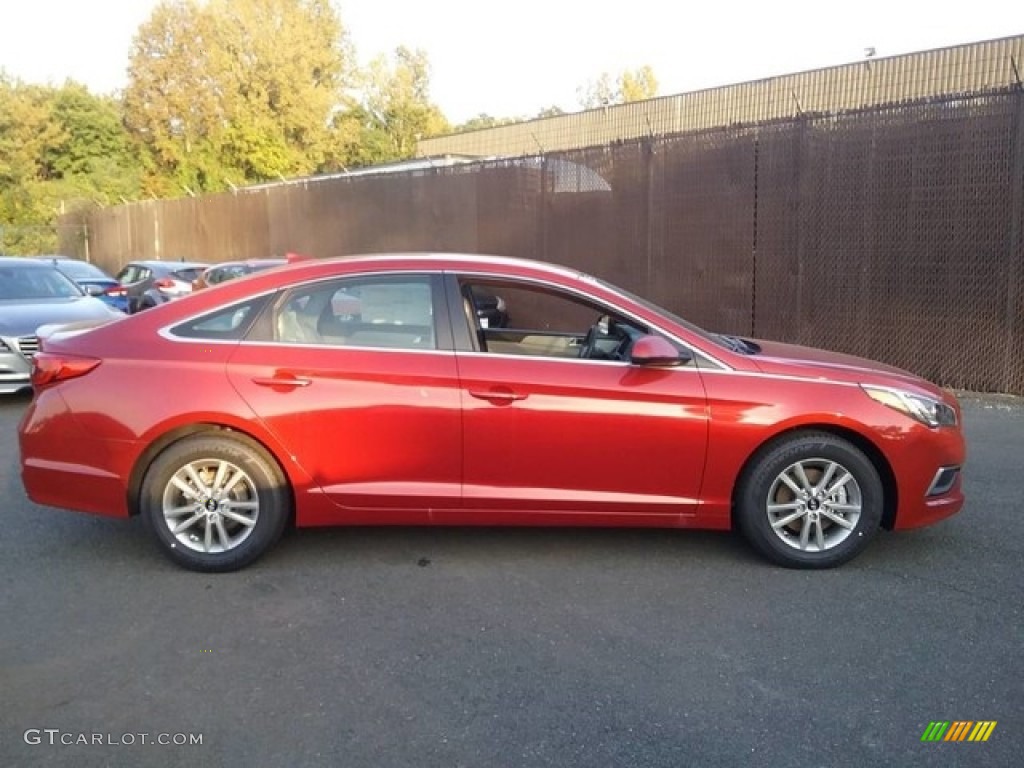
x: 929, y: 467
x: 15, y: 367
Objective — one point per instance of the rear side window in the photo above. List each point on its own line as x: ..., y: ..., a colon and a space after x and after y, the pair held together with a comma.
x: 387, y: 311
x: 225, y: 324
x: 188, y: 274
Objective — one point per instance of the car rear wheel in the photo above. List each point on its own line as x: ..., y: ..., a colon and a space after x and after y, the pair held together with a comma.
x: 215, y: 503
x: 812, y: 500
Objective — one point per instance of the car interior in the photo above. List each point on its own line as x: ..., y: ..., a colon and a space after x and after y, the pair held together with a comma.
x: 382, y: 314
x: 543, y: 323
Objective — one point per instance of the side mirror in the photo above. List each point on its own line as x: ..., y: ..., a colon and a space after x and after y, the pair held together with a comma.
x: 657, y: 352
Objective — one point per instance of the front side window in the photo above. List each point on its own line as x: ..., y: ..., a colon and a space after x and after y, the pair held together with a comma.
x: 515, y: 318
x: 383, y: 311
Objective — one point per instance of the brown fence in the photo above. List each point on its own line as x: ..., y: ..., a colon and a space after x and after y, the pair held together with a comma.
x: 893, y: 232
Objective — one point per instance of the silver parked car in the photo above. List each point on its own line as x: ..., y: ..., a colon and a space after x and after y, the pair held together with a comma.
x: 33, y: 294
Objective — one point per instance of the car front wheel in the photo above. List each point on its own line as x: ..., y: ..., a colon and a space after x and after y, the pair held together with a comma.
x: 215, y: 503
x: 812, y: 500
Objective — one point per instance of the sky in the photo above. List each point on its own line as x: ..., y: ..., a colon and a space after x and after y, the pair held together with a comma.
x: 514, y: 59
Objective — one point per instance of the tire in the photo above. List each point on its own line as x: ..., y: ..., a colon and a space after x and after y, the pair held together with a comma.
x: 236, y: 508
x: 811, y: 500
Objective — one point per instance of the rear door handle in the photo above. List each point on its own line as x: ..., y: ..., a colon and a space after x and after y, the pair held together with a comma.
x: 282, y: 381
x: 497, y: 395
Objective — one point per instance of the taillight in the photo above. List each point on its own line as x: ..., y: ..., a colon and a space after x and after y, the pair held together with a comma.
x: 117, y: 291
x: 164, y: 282
x: 49, y: 368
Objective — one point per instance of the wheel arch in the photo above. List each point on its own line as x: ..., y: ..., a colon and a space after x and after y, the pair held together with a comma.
x: 176, y: 435
x: 890, y: 490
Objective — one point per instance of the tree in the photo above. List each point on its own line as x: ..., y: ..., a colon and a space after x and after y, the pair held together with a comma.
x: 637, y: 85
x: 394, y: 110
x: 27, y: 131
x: 92, y: 142
x: 630, y: 85
x: 235, y: 90
x: 553, y: 111
x: 60, y: 149
x: 482, y: 121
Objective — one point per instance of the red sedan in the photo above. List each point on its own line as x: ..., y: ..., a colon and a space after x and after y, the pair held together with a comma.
x: 372, y: 391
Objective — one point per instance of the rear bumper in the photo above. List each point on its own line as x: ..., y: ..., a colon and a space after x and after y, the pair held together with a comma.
x: 63, y: 466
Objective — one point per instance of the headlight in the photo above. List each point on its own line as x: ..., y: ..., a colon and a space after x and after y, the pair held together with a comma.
x: 927, y: 410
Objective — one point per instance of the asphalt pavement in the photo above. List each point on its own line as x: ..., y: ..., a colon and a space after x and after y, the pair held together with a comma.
x: 488, y: 648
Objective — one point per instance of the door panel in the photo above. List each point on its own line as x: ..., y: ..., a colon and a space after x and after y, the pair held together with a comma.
x: 376, y: 430
x: 594, y: 442
x: 559, y: 428
x: 357, y: 380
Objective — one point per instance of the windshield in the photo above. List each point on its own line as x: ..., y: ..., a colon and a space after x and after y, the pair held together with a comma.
x: 32, y: 282
x: 81, y: 270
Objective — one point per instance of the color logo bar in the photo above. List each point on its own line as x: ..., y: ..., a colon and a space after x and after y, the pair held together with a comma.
x: 958, y: 730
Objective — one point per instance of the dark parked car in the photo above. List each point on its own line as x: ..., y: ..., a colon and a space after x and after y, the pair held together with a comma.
x: 33, y: 293
x: 365, y: 391
x: 93, y: 280
x: 229, y: 270
x: 151, y: 283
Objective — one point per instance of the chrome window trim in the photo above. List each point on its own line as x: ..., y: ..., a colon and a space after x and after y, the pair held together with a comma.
x: 344, y: 347
x: 165, y: 331
x: 588, y: 361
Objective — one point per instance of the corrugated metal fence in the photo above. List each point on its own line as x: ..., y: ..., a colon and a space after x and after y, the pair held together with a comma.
x: 893, y: 232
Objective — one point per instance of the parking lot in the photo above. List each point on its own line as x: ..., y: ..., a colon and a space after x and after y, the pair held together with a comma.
x: 460, y: 647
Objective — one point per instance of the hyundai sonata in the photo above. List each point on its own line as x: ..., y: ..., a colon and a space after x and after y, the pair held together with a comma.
x: 367, y: 391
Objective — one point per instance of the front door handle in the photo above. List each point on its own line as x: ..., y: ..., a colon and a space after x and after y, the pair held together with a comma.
x: 282, y: 381
x: 497, y: 395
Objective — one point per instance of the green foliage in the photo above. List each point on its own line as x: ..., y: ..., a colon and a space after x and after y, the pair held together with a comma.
x: 553, y: 111
x: 482, y: 121
x: 61, y: 149
x: 235, y: 91
x: 221, y: 93
x: 394, y: 110
x: 630, y: 85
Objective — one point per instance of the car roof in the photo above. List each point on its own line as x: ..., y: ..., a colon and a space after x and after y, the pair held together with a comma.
x: 438, y: 261
x: 26, y: 261
x: 169, y: 265
x: 274, y: 262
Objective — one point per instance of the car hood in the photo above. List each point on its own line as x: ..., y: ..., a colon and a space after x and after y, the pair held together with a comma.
x: 792, y: 359
x: 22, y: 318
